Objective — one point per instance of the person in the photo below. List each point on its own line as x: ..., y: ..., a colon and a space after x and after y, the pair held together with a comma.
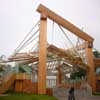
x: 71, y: 95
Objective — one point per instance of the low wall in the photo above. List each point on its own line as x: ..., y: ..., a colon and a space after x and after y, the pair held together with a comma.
x: 22, y: 76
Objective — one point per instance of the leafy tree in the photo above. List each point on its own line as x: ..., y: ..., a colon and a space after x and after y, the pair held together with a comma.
x: 96, y: 54
x: 78, y: 74
x: 1, y: 67
x: 24, y: 68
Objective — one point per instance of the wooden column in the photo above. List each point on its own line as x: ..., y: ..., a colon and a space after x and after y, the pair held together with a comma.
x: 59, y: 76
x: 91, y: 71
x: 42, y: 56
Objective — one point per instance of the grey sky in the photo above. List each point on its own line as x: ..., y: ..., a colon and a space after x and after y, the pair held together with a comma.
x: 18, y: 16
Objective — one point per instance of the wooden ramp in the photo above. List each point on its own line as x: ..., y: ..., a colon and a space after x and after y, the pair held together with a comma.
x: 7, y: 83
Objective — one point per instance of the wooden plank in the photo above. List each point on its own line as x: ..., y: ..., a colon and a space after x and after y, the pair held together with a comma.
x: 63, y: 22
x: 42, y: 56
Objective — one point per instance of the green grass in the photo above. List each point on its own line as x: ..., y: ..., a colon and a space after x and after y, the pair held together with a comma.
x: 26, y: 97
x: 96, y: 94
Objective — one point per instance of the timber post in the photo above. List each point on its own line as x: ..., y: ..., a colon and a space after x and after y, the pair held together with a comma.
x: 59, y: 76
x: 91, y: 71
x: 42, y: 55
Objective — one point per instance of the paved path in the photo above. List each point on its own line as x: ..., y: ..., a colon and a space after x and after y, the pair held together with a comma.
x: 81, y: 98
x: 90, y: 98
x: 62, y: 94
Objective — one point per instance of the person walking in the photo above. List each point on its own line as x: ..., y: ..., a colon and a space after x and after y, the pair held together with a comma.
x: 71, y: 95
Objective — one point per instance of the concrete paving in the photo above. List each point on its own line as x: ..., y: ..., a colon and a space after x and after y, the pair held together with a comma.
x: 62, y: 94
x: 90, y: 98
x: 81, y: 98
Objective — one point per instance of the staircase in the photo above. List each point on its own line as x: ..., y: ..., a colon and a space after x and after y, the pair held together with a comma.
x: 30, y: 87
x: 7, y: 82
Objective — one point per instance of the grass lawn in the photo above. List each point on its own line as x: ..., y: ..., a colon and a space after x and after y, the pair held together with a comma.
x: 26, y: 97
x: 96, y: 94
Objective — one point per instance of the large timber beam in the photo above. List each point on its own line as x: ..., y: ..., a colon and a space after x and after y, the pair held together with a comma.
x: 42, y: 56
x: 64, y: 23
x: 91, y: 70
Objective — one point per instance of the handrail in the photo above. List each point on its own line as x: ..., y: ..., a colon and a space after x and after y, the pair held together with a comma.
x: 23, y: 76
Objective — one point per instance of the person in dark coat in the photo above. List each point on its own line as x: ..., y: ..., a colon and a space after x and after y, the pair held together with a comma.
x: 71, y: 95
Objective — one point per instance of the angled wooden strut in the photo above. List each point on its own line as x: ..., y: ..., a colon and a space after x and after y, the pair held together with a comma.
x: 64, y: 23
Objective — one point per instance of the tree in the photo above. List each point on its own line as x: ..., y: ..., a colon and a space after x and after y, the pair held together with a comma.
x: 78, y: 74
x: 1, y: 67
x: 96, y: 54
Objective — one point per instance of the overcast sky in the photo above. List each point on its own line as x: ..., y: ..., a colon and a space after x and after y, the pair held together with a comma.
x: 18, y: 16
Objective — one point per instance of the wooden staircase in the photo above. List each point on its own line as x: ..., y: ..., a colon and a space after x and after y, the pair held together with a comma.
x: 7, y: 82
x: 30, y: 87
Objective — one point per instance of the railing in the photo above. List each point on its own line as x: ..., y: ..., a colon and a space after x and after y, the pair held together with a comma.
x: 23, y: 76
